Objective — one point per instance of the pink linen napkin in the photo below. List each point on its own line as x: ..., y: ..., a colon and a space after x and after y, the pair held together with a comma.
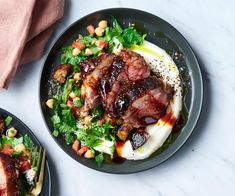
x: 25, y: 27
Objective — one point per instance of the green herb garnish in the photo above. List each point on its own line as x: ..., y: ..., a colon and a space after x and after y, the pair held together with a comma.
x: 67, y: 57
x: 27, y: 141
x: 78, y: 103
x: 8, y: 120
x: 97, y: 113
x: 99, y: 159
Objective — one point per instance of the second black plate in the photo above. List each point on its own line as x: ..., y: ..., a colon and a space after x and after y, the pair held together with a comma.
x: 23, y: 130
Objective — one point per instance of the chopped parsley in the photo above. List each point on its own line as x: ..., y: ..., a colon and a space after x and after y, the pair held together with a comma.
x: 27, y: 141
x: 8, y: 120
x: 78, y: 103
x: 67, y: 57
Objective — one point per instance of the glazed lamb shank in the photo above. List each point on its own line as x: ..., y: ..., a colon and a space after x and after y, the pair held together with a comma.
x: 126, y: 88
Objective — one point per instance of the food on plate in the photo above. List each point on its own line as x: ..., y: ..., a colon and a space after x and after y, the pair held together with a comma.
x: 18, y: 158
x: 117, y: 94
x: 61, y: 72
x: 8, y: 176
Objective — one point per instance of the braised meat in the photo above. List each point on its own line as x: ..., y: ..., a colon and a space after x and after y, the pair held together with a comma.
x: 90, y: 86
x: 121, y: 76
x: 108, y: 81
x: 8, y: 176
x: 136, y: 67
x: 124, y: 131
x: 88, y: 66
x: 127, y: 91
x: 149, y: 106
x: 121, y: 83
x: 2, y: 125
x: 61, y: 72
x: 126, y: 97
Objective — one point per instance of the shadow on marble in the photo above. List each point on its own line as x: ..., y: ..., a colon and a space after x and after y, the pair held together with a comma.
x: 67, y: 13
x: 22, y: 75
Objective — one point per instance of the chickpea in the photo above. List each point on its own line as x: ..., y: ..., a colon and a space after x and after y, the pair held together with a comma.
x: 76, y: 51
x: 11, y: 132
x: 89, y: 154
x: 99, y: 31
x: 103, y: 24
x: 20, y: 148
x: 88, y: 52
x: 83, y: 113
x: 77, y: 76
x: 87, y: 119
x: 50, y: 103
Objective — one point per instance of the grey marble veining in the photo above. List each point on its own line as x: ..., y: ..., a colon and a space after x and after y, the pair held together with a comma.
x: 206, y: 163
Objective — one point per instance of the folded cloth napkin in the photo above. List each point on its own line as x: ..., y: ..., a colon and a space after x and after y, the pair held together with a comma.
x: 25, y: 27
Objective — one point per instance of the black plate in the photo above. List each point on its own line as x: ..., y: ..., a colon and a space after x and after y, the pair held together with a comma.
x: 22, y: 130
x: 158, y: 32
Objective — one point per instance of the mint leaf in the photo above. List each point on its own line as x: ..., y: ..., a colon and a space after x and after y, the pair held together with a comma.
x: 27, y: 141
x: 131, y: 36
x: 116, y: 26
x: 5, y: 140
x: 8, y: 120
x: 55, y: 119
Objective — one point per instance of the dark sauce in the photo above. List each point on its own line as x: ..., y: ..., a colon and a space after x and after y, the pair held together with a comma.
x: 175, y: 131
x: 115, y: 159
x: 169, y: 118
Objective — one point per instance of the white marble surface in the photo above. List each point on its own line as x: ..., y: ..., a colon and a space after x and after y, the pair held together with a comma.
x: 206, y: 163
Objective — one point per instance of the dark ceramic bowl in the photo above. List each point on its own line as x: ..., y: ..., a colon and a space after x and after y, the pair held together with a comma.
x: 158, y: 32
x: 22, y: 130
